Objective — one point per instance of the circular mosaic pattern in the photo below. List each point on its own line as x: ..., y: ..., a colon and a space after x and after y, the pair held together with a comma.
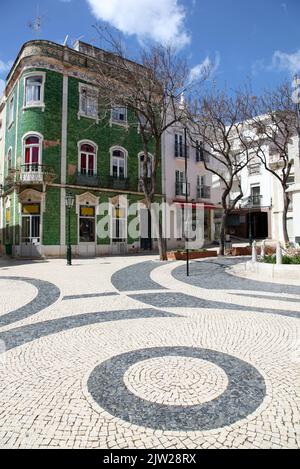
x: 15, y: 294
x: 174, y: 380
x: 46, y: 294
x: 243, y: 395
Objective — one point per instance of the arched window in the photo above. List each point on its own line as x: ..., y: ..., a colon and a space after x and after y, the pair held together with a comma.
x: 141, y: 166
x: 87, y: 159
x: 32, y: 152
x: 118, y: 164
x: 9, y: 160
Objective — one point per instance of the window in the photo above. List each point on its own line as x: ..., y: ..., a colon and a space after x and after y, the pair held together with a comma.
x: 9, y: 160
x: 34, y: 90
x: 255, y: 195
x: 199, y: 151
x: 119, y: 224
x: 87, y: 159
x: 180, y: 147
x: 203, y: 191
x: 32, y: 152
x: 11, y: 106
x: 119, y: 115
x: 180, y: 184
x: 118, y: 164
x: 88, y: 101
x: 87, y: 224
x: 149, y: 166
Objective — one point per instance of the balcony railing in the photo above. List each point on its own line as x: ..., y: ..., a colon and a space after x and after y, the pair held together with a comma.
x: 88, y: 180
x: 255, y: 200
x: 148, y: 183
x: 254, y: 169
x: 180, y: 188
x: 203, y: 192
x: 31, y: 173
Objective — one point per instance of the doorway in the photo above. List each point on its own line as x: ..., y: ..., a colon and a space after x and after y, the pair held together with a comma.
x: 146, y: 231
x: 30, y: 230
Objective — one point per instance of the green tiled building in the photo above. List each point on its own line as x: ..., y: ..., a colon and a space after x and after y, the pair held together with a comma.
x: 57, y: 141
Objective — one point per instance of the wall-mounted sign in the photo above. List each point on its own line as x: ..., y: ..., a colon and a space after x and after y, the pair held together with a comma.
x: 87, y: 211
x: 31, y: 209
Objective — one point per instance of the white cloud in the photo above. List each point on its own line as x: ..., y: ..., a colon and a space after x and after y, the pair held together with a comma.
x: 5, y: 66
x: 206, y: 66
x: 159, y: 20
x: 284, y: 61
x: 2, y: 86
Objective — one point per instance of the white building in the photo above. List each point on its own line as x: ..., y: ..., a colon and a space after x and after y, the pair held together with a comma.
x: 262, y: 204
x: 203, y: 190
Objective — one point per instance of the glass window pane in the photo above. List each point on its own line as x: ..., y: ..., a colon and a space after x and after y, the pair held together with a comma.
x: 35, y: 155
x: 31, y: 140
x: 83, y: 163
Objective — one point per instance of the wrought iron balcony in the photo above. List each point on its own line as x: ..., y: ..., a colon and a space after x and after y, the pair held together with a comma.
x: 254, y: 200
x: 148, y: 183
x: 111, y: 182
x: 88, y: 180
x: 180, y: 188
x: 203, y: 192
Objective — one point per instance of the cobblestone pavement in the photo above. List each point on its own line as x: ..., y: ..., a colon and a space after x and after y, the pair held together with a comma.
x: 129, y: 353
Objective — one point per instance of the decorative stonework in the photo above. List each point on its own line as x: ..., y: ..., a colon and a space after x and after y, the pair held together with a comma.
x: 245, y: 392
x: 174, y: 380
x: 32, y: 196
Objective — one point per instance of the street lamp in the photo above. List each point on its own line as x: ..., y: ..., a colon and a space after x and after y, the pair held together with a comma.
x: 182, y: 107
x: 186, y: 201
x: 69, y: 199
x: 250, y: 206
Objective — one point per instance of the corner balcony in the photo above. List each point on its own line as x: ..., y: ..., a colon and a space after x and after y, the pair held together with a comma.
x: 203, y: 192
x: 27, y: 174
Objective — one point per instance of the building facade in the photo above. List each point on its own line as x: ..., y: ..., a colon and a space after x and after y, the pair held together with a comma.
x: 203, y: 189
x: 259, y: 213
x: 54, y: 142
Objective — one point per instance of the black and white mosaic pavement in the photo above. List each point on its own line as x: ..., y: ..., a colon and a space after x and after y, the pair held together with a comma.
x: 127, y: 356
x: 244, y: 393
x: 47, y: 294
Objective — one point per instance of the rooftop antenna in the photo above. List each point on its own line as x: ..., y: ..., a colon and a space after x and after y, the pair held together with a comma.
x: 36, y: 24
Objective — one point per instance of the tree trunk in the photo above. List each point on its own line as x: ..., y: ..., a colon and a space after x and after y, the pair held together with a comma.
x: 286, y: 203
x: 223, y: 233
x: 160, y: 239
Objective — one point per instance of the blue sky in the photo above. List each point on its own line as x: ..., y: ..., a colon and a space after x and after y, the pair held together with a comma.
x: 243, y: 39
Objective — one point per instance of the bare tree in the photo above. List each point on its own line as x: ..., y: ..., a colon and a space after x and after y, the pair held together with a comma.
x: 218, y: 120
x: 274, y: 121
x: 150, y: 87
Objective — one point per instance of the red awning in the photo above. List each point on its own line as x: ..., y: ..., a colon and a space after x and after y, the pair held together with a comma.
x: 196, y: 205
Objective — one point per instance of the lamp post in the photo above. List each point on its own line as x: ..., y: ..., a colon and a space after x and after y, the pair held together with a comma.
x: 250, y: 219
x: 186, y: 202
x: 69, y: 199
